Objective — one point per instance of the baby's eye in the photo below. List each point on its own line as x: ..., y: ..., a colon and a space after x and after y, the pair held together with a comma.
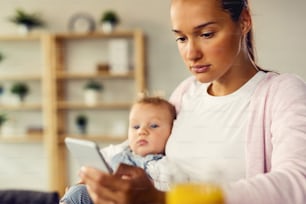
x: 136, y: 127
x: 154, y: 126
x: 208, y: 35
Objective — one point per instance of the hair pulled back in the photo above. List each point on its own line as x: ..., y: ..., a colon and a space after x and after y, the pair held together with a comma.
x: 235, y: 8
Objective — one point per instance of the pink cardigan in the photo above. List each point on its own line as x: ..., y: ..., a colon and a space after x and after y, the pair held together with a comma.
x: 276, y: 143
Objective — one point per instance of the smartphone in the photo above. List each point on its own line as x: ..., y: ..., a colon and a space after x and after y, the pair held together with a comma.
x: 87, y: 153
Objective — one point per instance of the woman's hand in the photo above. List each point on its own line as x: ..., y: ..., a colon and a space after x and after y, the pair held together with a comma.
x: 129, y: 185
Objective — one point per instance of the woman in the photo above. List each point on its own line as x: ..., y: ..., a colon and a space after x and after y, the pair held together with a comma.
x: 232, y: 116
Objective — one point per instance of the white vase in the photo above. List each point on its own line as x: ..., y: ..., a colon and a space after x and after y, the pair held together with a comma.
x: 107, y: 27
x: 23, y: 29
x: 8, y: 129
x: 91, y: 97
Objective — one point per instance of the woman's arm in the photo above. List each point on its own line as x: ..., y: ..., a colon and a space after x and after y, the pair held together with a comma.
x: 129, y: 185
x: 282, y: 125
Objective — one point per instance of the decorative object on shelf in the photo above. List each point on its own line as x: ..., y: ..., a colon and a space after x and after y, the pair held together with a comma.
x: 1, y: 89
x: 92, y: 92
x: 26, y: 21
x: 1, y: 56
x: 102, y: 67
x: 20, y: 89
x: 81, y: 122
x: 35, y: 131
x: 8, y: 127
x: 1, y: 93
x: 3, y: 119
x: 119, y: 58
x: 109, y: 20
x: 81, y: 23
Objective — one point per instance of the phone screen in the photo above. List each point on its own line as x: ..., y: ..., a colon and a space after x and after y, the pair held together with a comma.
x: 87, y: 153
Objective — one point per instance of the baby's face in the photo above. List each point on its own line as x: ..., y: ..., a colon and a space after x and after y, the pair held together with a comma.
x: 149, y: 128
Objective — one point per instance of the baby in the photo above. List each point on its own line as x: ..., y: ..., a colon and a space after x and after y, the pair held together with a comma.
x: 150, y: 124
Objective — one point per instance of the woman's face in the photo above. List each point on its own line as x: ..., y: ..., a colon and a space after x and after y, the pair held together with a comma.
x: 207, y: 38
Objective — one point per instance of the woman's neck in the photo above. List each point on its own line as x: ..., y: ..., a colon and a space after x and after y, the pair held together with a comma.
x: 232, y: 80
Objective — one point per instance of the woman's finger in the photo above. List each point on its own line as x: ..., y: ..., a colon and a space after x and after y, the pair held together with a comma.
x: 104, y: 187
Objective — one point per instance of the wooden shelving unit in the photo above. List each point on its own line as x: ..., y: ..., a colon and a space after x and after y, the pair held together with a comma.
x: 21, y: 107
x: 106, y: 75
x: 61, y: 105
x: 9, y: 77
x: 55, y: 102
x: 27, y: 138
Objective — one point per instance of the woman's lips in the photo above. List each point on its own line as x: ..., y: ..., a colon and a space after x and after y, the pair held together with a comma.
x: 200, y: 68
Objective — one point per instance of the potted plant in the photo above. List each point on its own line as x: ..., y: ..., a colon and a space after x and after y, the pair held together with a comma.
x: 92, y: 92
x: 3, y: 119
x: 1, y: 89
x: 109, y: 20
x: 1, y: 57
x: 20, y: 89
x: 1, y: 92
x: 81, y: 121
x: 26, y: 21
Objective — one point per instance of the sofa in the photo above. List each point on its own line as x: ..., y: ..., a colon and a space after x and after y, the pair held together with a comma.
x: 28, y: 197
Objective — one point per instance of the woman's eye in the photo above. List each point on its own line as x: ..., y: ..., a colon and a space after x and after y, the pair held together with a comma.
x: 136, y: 127
x: 154, y: 126
x: 180, y: 39
x: 208, y: 35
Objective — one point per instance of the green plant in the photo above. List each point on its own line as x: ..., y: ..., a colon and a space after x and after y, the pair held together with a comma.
x: 94, y: 85
x: 1, y: 89
x: 21, y: 89
x: 24, y: 18
x: 1, y: 57
x: 3, y: 118
x: 81, y: 121
x: 111, y: 17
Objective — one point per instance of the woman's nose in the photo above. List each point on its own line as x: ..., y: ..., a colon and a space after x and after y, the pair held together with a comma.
x: 193, y: 51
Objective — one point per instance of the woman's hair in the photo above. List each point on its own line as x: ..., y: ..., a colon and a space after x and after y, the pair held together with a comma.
x: 158, y: 101
x: 234, y: 8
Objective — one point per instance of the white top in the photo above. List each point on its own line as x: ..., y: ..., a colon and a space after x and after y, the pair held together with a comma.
x: 207, y: 142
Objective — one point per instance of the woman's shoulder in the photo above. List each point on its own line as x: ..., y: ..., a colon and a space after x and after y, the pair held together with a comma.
x: 281, y: 86
x: 276, y: 81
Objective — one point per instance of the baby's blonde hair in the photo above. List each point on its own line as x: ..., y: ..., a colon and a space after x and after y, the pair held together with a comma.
x: 157, y: 101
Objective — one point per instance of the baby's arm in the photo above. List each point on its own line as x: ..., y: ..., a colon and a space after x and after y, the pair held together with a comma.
x: 76, y: 194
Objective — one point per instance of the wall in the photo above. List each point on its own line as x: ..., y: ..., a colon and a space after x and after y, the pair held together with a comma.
x: 280, y: 32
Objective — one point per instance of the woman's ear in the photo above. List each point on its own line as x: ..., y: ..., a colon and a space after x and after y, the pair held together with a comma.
x: 245, y: 21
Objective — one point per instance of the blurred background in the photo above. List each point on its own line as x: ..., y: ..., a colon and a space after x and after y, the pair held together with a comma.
x: 279, y: 38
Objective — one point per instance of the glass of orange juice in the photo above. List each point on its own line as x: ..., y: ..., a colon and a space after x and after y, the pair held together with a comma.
x: 192, y: 193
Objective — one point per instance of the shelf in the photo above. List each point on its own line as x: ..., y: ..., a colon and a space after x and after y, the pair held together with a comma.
x: 115, y: 34
x: 20, y: 37
x: 20, y: 78
x: 21, y: 107
x: 21, y: 138
x: 80, y: 105
x: 102, y: 75
x: 96, y: 138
